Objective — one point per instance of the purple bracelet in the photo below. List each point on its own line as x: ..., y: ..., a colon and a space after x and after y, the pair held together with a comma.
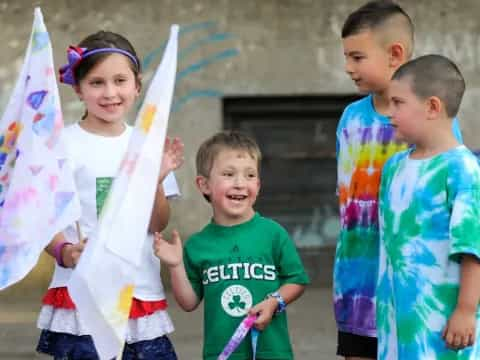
x: 57, y: 252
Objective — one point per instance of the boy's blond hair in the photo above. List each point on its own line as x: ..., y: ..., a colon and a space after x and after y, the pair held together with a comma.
x: 384, y: 18
x: 225, y: 140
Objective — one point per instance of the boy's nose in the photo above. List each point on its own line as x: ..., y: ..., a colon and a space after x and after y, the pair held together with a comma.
x: 389, y: 111
x: 239, y: 181
x: 348, y: 67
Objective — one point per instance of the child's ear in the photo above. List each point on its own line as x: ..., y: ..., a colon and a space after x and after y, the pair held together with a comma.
x: 202, y: 184
x: 138, y: 84
x: 434, y: 107
x: 397, y: 55
x: 77, y: 91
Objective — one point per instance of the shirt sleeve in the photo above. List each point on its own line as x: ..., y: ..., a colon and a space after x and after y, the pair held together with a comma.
x: 193, y: 271
x: 289, y: 265
x: 465, y: 224
x: 170, y: 186
x: 338, y: 147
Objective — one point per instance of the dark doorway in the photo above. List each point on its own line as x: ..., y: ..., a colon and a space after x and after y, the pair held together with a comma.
x: 297, y: 137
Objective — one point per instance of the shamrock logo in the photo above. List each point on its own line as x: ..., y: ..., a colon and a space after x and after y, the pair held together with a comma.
x: 236, y: 302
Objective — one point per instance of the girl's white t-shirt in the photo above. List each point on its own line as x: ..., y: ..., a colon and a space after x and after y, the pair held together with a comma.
x: 95, y: 161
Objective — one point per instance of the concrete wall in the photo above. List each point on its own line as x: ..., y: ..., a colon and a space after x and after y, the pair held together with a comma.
x: 231, y: 47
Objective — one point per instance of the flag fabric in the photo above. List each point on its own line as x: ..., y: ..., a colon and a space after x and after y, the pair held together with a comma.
x: 37, y: 192
x: 104, y: 279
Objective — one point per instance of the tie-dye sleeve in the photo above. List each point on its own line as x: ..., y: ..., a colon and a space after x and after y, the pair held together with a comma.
x: 340, y: 146
x: 465, y: 224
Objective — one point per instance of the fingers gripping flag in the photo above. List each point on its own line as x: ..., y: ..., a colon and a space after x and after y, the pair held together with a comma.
x: 103, y: 282
x: 37, y: 193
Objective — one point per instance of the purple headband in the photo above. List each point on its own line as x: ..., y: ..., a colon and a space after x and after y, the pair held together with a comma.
x: 75, y: 55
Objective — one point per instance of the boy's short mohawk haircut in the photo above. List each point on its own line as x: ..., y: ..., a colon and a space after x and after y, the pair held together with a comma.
x: 230, y: 140
x: 434, y: 75
x: 374, y: 15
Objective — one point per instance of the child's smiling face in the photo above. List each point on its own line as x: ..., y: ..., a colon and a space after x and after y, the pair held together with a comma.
x: 109, y: 90
x: 232, y: 186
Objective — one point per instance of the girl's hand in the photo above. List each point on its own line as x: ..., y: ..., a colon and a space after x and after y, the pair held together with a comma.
x: 172, y: 156
x: 170, y: 253
x: 265, y: 311
x: 71, y: 253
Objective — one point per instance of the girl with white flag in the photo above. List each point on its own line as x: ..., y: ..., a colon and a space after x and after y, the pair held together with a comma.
x: 117, y: 298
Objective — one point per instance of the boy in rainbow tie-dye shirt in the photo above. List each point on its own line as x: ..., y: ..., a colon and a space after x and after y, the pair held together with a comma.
x: 377, y: 39
x: 429, y: 208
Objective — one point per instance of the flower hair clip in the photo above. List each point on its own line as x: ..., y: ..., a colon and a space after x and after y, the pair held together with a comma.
x: 74, y: 57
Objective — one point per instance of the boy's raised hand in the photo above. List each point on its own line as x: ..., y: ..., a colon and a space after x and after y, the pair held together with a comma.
x: 460, y: 329
x: 170, y: 253
x: 172, y: 156
x: 265, y: 311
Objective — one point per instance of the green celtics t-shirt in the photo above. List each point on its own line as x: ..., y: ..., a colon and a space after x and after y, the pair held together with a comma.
x: 232, y: 269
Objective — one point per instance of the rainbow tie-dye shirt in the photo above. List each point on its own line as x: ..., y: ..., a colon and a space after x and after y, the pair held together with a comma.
x: 365, y: 140
x: 429, y: 215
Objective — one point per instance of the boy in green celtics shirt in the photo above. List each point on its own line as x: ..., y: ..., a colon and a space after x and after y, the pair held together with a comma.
x: 240, y: 263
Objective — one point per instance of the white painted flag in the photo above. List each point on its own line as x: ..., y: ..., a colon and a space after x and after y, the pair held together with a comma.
x: 102, y: 283
x: 37, y: 191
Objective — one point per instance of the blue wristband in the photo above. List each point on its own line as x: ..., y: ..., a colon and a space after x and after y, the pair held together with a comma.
x: 281, y: 302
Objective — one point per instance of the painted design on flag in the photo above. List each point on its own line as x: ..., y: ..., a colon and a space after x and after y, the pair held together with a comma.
x: 129, y: 163
x: 32, y: 211
x: 8, y: 154
x: 103, y: 302
x: 35, y: 99
x: 125, y: 301
x: 40, y: 39
x: 147, y: 117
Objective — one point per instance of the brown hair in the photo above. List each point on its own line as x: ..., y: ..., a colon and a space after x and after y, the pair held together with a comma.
x: 230, y: 139
x: 384, y: 16
x: 105, y: 39
x: 434, y: 75
x: 225, y: 140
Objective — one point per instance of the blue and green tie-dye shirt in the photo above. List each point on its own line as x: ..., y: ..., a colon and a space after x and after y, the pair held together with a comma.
x: 429, y: 213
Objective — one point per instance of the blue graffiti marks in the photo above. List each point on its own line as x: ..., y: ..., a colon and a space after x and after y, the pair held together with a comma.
x: 205, y: 62
x: 185, y: 53
x: 219, y: 37
x: 192, y: 94
x: 150, y: 57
